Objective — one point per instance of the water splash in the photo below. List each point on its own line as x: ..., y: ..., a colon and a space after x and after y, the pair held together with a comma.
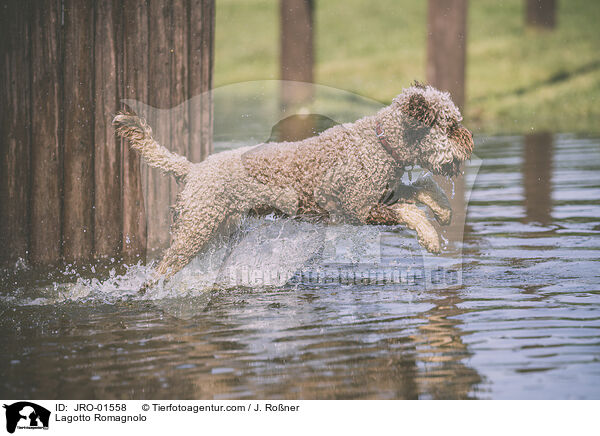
x: 444, y: 241
x: 264, y: 253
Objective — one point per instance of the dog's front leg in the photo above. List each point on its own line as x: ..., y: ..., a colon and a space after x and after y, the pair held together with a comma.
x: 429, y: 193
x: 425, y: 191
x: 412, y: 217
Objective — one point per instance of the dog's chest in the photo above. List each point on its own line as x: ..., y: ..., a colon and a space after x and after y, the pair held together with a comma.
x: 381, y: 171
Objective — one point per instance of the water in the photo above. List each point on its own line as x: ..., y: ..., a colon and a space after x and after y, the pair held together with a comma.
x: 521, y: 321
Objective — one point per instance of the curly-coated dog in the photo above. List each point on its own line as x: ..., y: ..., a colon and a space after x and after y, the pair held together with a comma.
x: 351, y: 173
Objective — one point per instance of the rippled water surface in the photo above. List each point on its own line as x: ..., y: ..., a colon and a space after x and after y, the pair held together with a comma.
x: 520, y: 320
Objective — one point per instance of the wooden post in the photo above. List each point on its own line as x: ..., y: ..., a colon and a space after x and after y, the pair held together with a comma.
x: 296, y: 51
x: 46, y: 132
x: 14, y: 133
x: 135, y: 81
x: 446, y: 47
x: 78, y: 225
x: 159, y: 72
x: 68, y: 189
x: 540, y: 13
x: 201, y: 46
x: 107, y: 157
x: 179, y: 82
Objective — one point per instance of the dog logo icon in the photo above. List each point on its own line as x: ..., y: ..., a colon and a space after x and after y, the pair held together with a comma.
x: 26, y: 415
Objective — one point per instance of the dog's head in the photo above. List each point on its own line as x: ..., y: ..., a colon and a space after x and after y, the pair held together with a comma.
x: 430, y: 130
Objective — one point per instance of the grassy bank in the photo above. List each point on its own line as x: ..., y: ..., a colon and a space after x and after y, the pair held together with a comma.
x: 518, y: 79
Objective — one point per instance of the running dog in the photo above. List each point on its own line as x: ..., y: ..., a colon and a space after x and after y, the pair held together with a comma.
x: 349, y: 173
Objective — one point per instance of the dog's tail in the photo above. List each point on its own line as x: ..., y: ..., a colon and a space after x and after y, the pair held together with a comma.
x: 139, y: 135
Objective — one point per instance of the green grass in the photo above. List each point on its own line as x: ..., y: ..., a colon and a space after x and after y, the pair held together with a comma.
x: 518, y: 79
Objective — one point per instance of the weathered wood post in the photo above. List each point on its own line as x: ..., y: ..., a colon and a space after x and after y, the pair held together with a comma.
x: 540, y: 13
x: 69, y: 190
x: 107, y: 148
x: 446, y: 47
x: 46, y: 134
x: 158, y: 187
x: 202, y: 18
x: 135, y: 87
x: 296, y: 51
x: 78, y: 178
x: 179, y: 86
x: 14, y: 132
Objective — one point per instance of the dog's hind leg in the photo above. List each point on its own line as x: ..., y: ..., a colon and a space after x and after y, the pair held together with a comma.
x: 191, y: 235
x: 175, y: 258
x: 178, y: 255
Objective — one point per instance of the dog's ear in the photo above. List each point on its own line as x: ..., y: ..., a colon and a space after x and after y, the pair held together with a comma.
x: 417, y: 108
x: 463, y: 138
x: 417, y: 84
x: 418, y: 118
